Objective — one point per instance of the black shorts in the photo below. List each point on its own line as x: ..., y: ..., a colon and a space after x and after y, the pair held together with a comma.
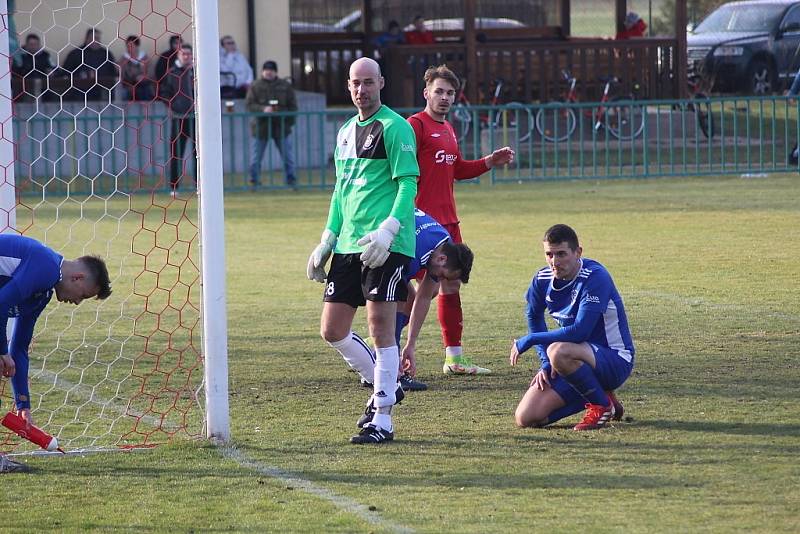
x: 351, y: 282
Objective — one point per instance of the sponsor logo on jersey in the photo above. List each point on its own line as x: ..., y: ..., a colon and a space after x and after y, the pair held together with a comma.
x: 368, y: 142
x: 405, y: 147
x: 593, y: 298
x: 442, y: 157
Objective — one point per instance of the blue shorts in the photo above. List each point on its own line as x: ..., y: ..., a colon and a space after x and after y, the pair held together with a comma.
x: 611, y: 369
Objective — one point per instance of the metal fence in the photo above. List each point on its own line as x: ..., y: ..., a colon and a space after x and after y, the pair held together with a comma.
x: 127, y: 149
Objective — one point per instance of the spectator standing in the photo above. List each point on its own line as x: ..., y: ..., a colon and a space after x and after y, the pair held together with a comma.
x: 236, y: 74
x: 133, y: 72
x: 32, y: 64
x: 166, y: 60
x: 420, y: 35
x: 178, y: 91
x: 95, y: 65
x: 270, y: 94
x: 32, y: 60
x: 634, y: 26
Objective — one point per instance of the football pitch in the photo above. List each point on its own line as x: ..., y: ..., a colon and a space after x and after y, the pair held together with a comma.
x: 712, y: 431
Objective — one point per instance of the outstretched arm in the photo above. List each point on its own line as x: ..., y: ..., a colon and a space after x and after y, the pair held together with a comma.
x: 501, y: 156
x: 577, y: 332
x: 468, y: 169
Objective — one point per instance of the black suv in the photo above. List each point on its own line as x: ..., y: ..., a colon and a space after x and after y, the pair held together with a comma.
x: 750, y: 47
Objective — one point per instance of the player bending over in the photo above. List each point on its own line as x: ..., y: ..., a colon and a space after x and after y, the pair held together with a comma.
x: 438, y: 258
x: 29, y: 275
x: 590, y: 354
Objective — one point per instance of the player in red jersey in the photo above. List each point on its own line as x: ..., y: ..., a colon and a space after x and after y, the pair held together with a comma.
x: 440, y: 165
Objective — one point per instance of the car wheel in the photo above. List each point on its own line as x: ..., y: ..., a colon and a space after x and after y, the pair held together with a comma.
x: 761, y: 78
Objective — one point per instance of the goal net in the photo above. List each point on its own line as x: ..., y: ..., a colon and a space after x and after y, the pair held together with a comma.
x: 90, y: 147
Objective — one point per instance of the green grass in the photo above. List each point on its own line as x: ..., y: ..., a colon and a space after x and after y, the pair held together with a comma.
x: 706, y: 268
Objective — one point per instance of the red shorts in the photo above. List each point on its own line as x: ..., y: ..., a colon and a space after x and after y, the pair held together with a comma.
x: 454, y: 231
x: 455, y: 235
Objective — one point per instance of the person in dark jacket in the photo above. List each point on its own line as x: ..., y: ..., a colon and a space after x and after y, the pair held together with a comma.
x: 136, y: 86
x: 270, y: 94
x: 93, y: 68
x: 32, y: 60
x: 32, y: 64
x: 178, y: 91
x: 166, y: 60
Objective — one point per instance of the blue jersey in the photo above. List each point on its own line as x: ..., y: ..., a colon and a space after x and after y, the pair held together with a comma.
x: 587, y: 309
x: 28, y: 273
x: 430, y: 234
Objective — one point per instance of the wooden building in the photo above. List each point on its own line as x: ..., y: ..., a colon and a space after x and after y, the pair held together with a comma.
x: 528, y: 59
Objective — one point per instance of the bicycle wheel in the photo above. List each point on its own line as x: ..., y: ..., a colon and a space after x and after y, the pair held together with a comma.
x: 624, y: 121
x: 555, y: 124
x: 520, y: 119
x: 461, y: 119
x: 705, y: 118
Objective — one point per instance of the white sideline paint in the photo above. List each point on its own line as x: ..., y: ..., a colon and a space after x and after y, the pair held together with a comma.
x: 228, y: 451
x: 343, y: 503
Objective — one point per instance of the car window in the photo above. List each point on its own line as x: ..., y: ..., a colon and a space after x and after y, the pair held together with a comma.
x: 741, y: 18
x: 791, y: 22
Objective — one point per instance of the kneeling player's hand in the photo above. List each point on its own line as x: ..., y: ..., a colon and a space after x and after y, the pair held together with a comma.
x: 315, y: 269
x: 376, y: 243
x: 7, y: 366
x: 541, y: 380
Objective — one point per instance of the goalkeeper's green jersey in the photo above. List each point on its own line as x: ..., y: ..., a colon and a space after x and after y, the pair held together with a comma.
x: 373, y: 158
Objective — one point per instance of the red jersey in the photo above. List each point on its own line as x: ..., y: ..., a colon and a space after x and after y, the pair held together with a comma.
x: 440, y: 164
x: 416, y: 37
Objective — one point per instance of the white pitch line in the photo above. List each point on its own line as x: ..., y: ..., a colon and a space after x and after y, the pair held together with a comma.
x: 343, y: 503
x: 231, y: 452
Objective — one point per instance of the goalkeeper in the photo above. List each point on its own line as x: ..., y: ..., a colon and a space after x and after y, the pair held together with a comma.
x: 370, y: 231
x: 29, y: 275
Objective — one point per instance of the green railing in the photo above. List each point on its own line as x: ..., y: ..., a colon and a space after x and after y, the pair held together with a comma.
x: 102, y: 151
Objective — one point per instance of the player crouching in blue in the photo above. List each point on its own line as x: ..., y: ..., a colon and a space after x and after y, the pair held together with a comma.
x: 437, y: 257
x: 30, y: 273
x: 590, y: 354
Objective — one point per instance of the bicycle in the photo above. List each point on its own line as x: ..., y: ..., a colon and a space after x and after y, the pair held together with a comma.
x: 461, y: 117
x: 704, y: 118
x: 623, y: 121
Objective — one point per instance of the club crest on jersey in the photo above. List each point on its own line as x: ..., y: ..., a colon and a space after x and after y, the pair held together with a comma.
x: 368, y: 142
x: 574, y: 295
x: 442, y: 157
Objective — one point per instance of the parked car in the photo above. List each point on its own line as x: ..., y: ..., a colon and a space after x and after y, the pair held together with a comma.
x: 751, y: 47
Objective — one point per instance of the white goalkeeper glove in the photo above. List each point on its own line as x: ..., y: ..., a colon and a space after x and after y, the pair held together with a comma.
x: 315, y: 270
x: 376, y: 243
